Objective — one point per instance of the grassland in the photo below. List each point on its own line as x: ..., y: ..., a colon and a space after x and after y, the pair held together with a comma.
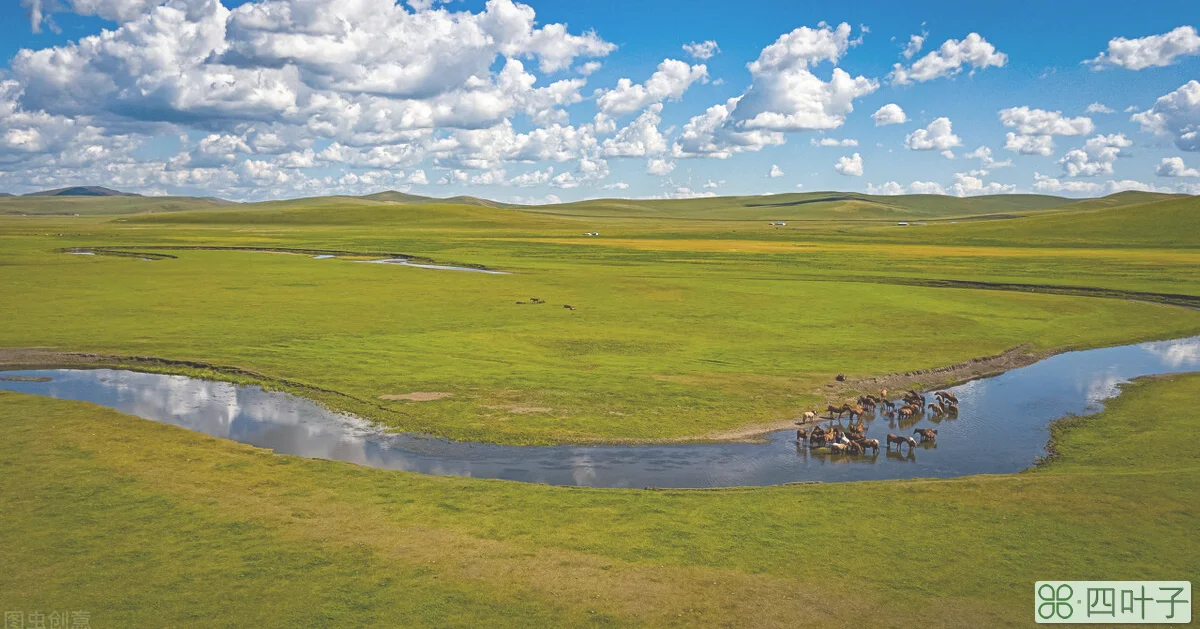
x: 689, y: 322
x: 147, y: 524
x: 682, y: 329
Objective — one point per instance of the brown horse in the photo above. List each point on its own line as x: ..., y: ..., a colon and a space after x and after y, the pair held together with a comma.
x: 900, y: 441
x: 810, y: 415
x: 905, y: 412
x: 854, y: 448
x: 936, y: 409
x: 869, y: 443
x: 946, y: 395
x: 837, y: 448
x: 927, y: 434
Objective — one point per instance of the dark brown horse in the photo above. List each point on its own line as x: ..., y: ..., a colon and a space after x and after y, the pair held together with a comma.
x: 900, y: 441
x: 927, y: 434
x: 869, y: 443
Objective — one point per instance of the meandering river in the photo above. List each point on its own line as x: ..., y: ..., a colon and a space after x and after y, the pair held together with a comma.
x: 1001, y: 427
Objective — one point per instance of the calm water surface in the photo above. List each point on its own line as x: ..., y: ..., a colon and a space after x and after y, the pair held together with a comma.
x: 1001, y: 427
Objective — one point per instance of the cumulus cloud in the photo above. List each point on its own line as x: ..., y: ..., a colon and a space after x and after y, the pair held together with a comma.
x: 966, y: 185
x: 40, y: 11
x: 640, y: 138
x: 914, y: 45
x: 1036, y: 128
x: 949, y: 59
x: 775, y: 171
x: 1175, y: 115
x: 1096, y: 157
x: 851, y: 166
x: 670, y: 80
x: 890, y: 113
x: 785, y: 95
x: 984, y: 155
x: 1048, y: 184
x: 833, y: 142
x: 1099, y: 108
x: 893, y: 188
x: 659, y: 167
x: 1154, y: 51
x: 712, y: 134
x: 710, y: 184
x: 1174, y: 167
x: 703, y: 50
x: 938, y: 136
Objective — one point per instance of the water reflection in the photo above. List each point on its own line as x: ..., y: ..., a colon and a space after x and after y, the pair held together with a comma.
x: 1000, y: 427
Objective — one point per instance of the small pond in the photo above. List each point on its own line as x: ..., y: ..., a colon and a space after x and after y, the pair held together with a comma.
x: 1001, y: 427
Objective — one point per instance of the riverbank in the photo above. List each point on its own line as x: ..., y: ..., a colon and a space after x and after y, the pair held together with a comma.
x: 176, y: 525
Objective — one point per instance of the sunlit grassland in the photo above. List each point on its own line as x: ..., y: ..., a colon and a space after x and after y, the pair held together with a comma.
x: 147, y: 524
x: 681, y: 328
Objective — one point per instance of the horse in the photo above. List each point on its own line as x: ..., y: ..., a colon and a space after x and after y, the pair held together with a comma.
x: 927, y: 434
x: 900, y: 441
x: 837, y: 448
x: 883, y: 394
x: 936, y: 409
x: 834, y: 411
x: 810, y: 415
x: 568, y: 306
x: 905, y: 412
x: 801, y: 435
x: 947, y: 395
x: 891, y: 406
x: 853, y: 448
x: 869, y: 443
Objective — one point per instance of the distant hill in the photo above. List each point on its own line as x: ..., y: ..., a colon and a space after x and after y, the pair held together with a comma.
x: 43, y: 205
x: 393, y: 196
x: 808, y: 205
x: 82, y: 191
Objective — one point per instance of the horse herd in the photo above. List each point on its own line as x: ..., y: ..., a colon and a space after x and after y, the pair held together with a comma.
x: 853, y: 439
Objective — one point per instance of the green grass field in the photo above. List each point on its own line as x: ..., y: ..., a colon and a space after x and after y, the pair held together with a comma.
x: 690, y: 323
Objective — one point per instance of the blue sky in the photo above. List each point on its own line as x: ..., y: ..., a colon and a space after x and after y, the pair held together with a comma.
x: 284, y: 98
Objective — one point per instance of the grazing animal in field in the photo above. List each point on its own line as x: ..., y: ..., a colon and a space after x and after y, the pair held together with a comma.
x: 834, y: 410
x: 520, y: 303
x: 810, y: 415
x: 535, y: 300
x: 883, y: 393
x: 841, y: 377
x: 927, y: 434
x: 869, y: 443
x: 900, y: 441
x: 568, y: 306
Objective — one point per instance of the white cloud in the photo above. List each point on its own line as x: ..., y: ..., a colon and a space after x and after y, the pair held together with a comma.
x: 659, y: 167
x: 889, y: 114
x: 1035, y: 129
x: 984, y: 155
x: 1047, y: 184
x: 914, y: 45
x: 703, y: 50
x: 786, y: 96
x: 938, y: 136
x: 1096, y: 157
x: 589, y: 68
x: 949, y: 59
x: 893, y: 188
x: 1029, y: 144
x: 851, y: 166
x: 775, y: 171
x: 1099, y: 108
x: 966, y: 185
x: 670, y: 80
x: 889, y: 188
x: 640, y: 138
x: 1154, y: 51
x: 115, y: 10
x: 1174, y: 167
x: 833, y: 142
x: 1176, y: 115
x: 710, y: 184
x: 712, y: 135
